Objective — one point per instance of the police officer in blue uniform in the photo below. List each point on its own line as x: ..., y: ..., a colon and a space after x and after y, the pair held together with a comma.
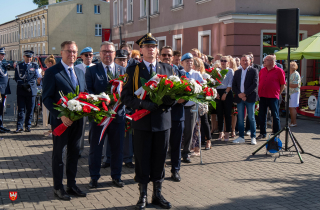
x: 26, y: 75
x: 150, y: 133
x: 4, y: 88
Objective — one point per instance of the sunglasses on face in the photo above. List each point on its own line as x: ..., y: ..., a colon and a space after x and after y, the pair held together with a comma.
x: 223, y: 61
x: 88, y: 55
x: 165, y: 55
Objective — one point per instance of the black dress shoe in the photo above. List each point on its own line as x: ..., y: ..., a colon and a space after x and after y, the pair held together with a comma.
x: 186, y: 160
x: 4, y: 129
x: 175, y: 176
x: 157, y: 198
x: 27, y: 129
x: 118, y: 182
x: 105, y: 165
x: 261, y: 136
x: 61, y: 194
x: 129, y: 165
x: 75, y: 191
x: 143, y: 201
x: 19, y: 130
x: 93, y: 183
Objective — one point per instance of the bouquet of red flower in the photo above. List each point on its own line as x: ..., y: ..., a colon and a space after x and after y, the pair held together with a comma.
x: 177, y: 88
x: 217, y: 74
x: 78, y: 105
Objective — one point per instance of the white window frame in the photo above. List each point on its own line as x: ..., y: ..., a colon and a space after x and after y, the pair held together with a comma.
x: 174, y: 3
x: 129, y: 3
x: 174, y: 37
x: 79, y: 9
x: 151, y: 6
x: 115, y: 13
x: 142, y: 8
x: 200, y: 35
x: 120, y: 12
x: 162, y: 38
x: 99, y: 29
x: 131, y: 43
x: 98, y: 9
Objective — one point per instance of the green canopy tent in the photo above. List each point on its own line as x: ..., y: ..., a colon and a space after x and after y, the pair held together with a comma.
x: 308, y: 48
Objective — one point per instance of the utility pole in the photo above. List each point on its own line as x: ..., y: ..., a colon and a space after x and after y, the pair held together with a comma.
x: 148, y: 15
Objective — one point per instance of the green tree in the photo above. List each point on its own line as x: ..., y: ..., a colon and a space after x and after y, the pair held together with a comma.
x: 41, y: 3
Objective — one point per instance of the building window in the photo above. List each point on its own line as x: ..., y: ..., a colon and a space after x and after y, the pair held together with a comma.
x: 22, y: 50
x: 120, y: 11
x: 35, y: 29
x: 115, y: 13
x: 177, y: 3
x: 32, y: 30
x: 25, y: 32
x: 177, y: 42
x: 96, y: 9
x: 204, y: 42
x: 79, y: 8
x: 43, y: 28
x: 98, y: 30
x: 44, y: 49
x: 161, y: 41
x: 129, y: 10
x: 39, y: 49
x: 143, y: 6
x: 39, y: 28
x: 29, y: 31
x: 35, y: 50
x: 116, y: 47
x: 154, y: 6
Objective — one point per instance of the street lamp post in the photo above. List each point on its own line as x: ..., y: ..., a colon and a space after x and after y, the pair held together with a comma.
x: 148, y: 15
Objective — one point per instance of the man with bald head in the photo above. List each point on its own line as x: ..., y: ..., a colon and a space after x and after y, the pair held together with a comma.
x: 271, y: 84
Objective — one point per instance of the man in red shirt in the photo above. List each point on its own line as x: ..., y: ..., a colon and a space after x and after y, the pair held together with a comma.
x: 271, y: 85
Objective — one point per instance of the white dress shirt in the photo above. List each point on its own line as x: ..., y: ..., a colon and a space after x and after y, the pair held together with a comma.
x: 243, y: 78
x: 66, y: 67
x: 111, y: 68
x: 193, y: 74
x: 154, y: 68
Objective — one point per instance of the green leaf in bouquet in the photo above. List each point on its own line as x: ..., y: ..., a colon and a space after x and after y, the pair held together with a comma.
x: 143, y: 81
x: 77, y: 90
x: 214, y: 104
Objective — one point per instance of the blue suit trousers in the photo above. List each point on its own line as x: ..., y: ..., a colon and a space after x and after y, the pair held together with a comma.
x: 25, y: 107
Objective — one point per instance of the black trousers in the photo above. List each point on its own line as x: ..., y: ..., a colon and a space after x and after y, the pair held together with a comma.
x: 205, y: 128
x: 176, y: 132
x: 224, y: 110
x: 1, y: 109
x: 68, y: 140
x: 150, y: 150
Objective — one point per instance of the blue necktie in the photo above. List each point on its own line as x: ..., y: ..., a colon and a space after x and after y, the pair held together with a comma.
x: 188, y: 75
x: 73, y: 78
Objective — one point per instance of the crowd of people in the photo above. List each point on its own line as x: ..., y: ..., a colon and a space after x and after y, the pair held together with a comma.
x: 246, y: 94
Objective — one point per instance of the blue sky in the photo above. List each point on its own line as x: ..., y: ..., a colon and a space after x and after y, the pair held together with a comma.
x: 11, y: 8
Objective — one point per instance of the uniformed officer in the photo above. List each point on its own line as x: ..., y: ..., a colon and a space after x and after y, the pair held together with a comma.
x: 151, y: 133
x: 4, y: 88
x: 26, y: 75
x: 86, y: 55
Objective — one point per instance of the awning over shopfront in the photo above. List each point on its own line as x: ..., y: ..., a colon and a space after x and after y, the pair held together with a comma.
x: 308, y: 49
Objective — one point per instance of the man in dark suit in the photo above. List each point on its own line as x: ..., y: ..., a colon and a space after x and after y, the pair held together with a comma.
x: 4, y: 88
x: 245, y: 87
x: 97, y: 79
x: 26, y: 75
x: 177, y: 119
x: 63, y: 77
x: 151, y: 133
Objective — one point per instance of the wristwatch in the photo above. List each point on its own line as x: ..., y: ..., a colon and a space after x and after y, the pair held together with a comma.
x: 226, y: 92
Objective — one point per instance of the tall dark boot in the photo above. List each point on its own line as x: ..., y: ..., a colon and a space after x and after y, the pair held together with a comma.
x: 142, y: 202
x: 157, y: 198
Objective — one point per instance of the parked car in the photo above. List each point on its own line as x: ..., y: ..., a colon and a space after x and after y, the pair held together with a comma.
x: 10, y: 64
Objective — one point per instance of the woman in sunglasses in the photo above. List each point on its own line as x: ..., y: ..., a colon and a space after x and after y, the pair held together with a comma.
x: 225, y: 100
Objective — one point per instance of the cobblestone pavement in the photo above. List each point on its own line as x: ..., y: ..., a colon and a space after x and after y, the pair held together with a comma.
x: 230, y: 177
